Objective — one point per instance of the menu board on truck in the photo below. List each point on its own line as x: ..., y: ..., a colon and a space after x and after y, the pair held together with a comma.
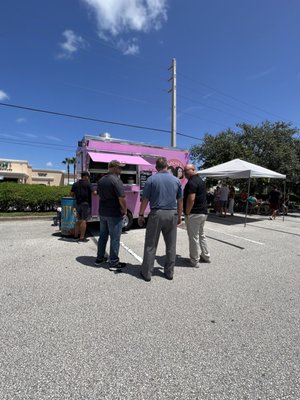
x: 144, y: 175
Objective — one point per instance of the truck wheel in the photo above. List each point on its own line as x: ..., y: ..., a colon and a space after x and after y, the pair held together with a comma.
x: 127, y: 221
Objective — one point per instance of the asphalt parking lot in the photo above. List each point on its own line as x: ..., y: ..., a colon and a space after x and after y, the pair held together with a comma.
x: 228, y: 330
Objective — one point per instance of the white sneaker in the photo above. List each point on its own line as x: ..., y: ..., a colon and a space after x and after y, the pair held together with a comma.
x: 204, y: 260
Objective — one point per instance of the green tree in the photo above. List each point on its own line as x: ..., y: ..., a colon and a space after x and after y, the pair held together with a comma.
x: 273, y: 145
x: 68, y: 162
x: 73, y: 162
x: 217, y: 149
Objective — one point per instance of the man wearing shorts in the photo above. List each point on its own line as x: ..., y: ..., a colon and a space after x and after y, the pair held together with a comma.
x: 82, y: 191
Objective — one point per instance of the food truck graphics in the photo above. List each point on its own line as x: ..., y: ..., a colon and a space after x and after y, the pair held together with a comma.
x: 95, y: 152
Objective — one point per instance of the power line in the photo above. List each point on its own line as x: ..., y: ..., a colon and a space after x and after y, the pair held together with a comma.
x: 213, y: 108
x: 81, y: 117
x: 50, y: 146
x: 93, y: 119
x: 202, y: 119
x: 232, y: 97
x: 225, y: 103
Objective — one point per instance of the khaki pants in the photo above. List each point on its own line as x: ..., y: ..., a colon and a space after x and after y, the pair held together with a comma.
x: 197, y: 240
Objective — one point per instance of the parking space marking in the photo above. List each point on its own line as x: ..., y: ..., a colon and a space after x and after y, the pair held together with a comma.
x: 138, y: 258
x: 234, y: 236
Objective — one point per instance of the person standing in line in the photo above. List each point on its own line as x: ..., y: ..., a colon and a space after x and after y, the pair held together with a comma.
x: 274, y: 199
x: 164, y: 193
x: 217, y: 200
x: 224, y: 191
x: 82, y: 191
x: 112, y: 208
x: 285, y: 204
x: 171, y: 170
x: 179, y: 172
x: 231, y: 197
x: 195, y: 211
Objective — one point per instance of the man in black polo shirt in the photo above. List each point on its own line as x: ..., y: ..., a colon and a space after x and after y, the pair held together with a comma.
x: 82, y: 191
x: 195, y: 210
x: 112, y: 208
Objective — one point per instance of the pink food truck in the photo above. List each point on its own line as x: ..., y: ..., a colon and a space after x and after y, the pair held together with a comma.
x: 95, y: 152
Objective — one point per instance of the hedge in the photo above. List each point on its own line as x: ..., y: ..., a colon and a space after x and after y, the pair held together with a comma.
x: 19, y: 197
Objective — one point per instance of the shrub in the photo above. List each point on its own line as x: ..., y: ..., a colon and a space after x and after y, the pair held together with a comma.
x: 18, y: 197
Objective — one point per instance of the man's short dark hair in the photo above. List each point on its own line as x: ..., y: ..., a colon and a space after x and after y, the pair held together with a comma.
x: 161, y: 163
x: 85, y: 173
x: 115, y: 164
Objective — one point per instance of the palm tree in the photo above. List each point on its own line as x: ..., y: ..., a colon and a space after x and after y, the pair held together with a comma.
x: 73, y: 162
x: 67, y: 161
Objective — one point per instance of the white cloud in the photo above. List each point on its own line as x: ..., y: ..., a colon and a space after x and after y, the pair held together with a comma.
x: 20, y: 120
x: 5, y: 135
x: 120, y: 17
x: 128, y: 47
x: 208, y: 95
x: 72, y: 43
x: 261, y: 74
x: 29, y: 135
x: 49, y: 164
x: 3, y: 96
x: 188, y: 109
x: 56, y: 139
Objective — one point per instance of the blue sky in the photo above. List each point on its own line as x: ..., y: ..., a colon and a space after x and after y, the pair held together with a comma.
x: 237, y: 61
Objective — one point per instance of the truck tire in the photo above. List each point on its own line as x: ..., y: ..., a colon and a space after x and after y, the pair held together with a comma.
x: 127, y: 221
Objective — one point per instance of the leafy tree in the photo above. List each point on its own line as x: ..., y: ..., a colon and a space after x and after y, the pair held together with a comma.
x: 217, y: 149
x: 272, y: 145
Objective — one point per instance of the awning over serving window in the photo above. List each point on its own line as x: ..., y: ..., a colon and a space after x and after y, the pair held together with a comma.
x: 123, y: 158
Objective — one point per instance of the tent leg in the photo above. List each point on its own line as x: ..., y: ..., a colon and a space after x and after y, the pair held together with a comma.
x: 246, y: 211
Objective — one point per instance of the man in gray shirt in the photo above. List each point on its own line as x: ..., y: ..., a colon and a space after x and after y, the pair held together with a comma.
x: 164, y: 193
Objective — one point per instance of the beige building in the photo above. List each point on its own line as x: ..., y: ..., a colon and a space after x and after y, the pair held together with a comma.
x: 20, y: 171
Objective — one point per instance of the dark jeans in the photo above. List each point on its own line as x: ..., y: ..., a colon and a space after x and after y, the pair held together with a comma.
x: 110, y: 227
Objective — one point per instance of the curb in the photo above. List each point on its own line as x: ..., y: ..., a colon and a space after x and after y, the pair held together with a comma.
x: 29, y: 218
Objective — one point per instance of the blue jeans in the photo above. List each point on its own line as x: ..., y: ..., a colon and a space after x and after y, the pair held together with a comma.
x: 112, y: 227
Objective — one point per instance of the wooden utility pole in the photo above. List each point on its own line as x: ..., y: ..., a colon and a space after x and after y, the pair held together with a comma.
x: 173, y: 90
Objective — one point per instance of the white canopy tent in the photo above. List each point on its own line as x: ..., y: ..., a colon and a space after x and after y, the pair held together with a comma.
x: 239, y: 169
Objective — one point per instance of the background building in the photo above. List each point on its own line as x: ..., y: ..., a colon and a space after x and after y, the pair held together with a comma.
x: 20, y: 171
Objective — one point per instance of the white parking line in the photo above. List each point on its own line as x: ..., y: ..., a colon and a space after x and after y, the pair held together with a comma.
x: 138, y: 258
x: 237, y: 237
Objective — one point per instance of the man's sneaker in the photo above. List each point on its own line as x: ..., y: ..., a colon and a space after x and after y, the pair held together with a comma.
x: 117, y: 267
x: 100, y: 261
x: 143, y: 277
x: 169, y: 277
x: 83, y: 240
x: 205, y: 260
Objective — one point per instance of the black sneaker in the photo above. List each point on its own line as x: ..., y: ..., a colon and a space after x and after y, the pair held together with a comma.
x: 117, y: 267
x: 143, y: 277
x: 100, y: 261
x: 169, y: 277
